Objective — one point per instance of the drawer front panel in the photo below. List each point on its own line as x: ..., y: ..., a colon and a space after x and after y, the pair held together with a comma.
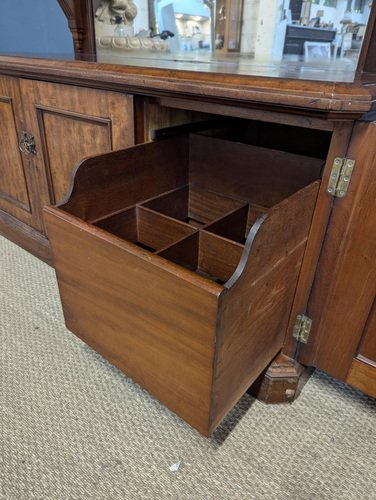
x: 157, y: 328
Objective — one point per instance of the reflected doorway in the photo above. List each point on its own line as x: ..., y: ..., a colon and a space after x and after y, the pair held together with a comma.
x: 190, y: 21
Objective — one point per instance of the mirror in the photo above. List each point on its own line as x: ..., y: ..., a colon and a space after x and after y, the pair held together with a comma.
x: 311, y: 39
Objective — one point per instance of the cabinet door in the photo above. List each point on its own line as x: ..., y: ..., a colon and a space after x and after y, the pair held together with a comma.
x: 368, y: 345
x: 363, y: 368
x: 70, y: 123
x: 345, y: 283
x: 17, y: 176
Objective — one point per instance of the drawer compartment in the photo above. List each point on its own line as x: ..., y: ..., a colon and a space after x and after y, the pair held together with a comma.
x: 177, y: 260
x: 145, y: 228
x: 207, y: 255
x: 194, y: 206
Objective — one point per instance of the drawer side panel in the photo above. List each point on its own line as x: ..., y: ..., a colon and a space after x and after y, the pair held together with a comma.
x: 255, y: 310
x: 120, y: 179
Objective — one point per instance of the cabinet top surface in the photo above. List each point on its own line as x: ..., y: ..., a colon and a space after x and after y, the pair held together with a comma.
x: 261, y: 89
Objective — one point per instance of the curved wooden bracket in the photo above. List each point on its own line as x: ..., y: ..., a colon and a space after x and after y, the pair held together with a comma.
x: 68, y: 8
x: 79, y: 14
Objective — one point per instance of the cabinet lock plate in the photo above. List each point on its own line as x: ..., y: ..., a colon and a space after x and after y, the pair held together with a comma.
x: 340, y: 177
x: 302, y: 328
x: 27, y: 144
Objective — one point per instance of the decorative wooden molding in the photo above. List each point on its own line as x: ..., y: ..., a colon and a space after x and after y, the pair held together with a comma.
x: 93, y: 120
x: 319, y: 99
x: 68, y: 8
x: 79, y: 14
x: 366, y: 65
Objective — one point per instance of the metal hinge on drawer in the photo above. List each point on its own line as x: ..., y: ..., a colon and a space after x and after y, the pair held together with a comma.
x: 302, y: 328
x: 340, y: 177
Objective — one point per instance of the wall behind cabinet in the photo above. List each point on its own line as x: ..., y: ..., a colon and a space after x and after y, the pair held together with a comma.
x: 36, y: 26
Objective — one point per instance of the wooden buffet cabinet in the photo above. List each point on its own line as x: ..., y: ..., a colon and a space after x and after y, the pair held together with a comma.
x: 292, y: 132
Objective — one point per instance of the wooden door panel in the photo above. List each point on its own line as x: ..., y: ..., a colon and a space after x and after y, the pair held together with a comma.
x: 71, y: 123
x: 338, y: 147
x: 362, y: 374
x: 66, y: 139
x: 13, y: 188
x: 368, y: 344
x: 345, y: 283
x: 17, y: 178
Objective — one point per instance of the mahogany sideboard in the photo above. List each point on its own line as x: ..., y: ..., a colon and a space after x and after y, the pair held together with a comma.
x: 55, y: 113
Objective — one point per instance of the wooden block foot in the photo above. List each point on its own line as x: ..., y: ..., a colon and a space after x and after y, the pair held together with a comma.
x: 281, y: 382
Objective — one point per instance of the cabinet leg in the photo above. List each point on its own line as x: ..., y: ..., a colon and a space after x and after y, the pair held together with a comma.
x: 281, y: 382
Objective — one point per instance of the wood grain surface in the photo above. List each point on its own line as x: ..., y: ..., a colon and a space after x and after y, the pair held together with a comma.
x: 69, y: 124
x: 363, y: 376
x: 321, y: 219
x: 345, y: 283
x: 333, y: 99
x: 149, y: 321
x: 367, y: 347
x: 260, y: 175
x: 160, y: 167
x: 255, y: 307
x: 18, y: 190
x: 196, y: 322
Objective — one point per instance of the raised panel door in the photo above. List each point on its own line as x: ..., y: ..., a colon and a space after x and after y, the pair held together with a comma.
x: 71, y: 123
x: 17, y: 178
x: 362, y: 373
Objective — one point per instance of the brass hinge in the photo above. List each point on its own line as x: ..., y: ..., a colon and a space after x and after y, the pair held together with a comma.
x: 302, y: 328
x: 340, y: 177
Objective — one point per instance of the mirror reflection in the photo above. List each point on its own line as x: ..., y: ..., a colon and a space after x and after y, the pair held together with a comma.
x: 235, y: 36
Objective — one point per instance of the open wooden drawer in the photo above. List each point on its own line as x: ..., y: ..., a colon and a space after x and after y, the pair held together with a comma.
x: 178, y: 260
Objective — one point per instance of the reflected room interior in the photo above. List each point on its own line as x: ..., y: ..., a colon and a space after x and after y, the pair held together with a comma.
x: 316, y: 39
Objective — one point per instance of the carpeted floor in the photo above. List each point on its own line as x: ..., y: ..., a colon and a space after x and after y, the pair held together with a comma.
x: 74, y: 427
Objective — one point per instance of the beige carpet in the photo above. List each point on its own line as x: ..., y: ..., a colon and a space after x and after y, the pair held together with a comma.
x: 73, y: 427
